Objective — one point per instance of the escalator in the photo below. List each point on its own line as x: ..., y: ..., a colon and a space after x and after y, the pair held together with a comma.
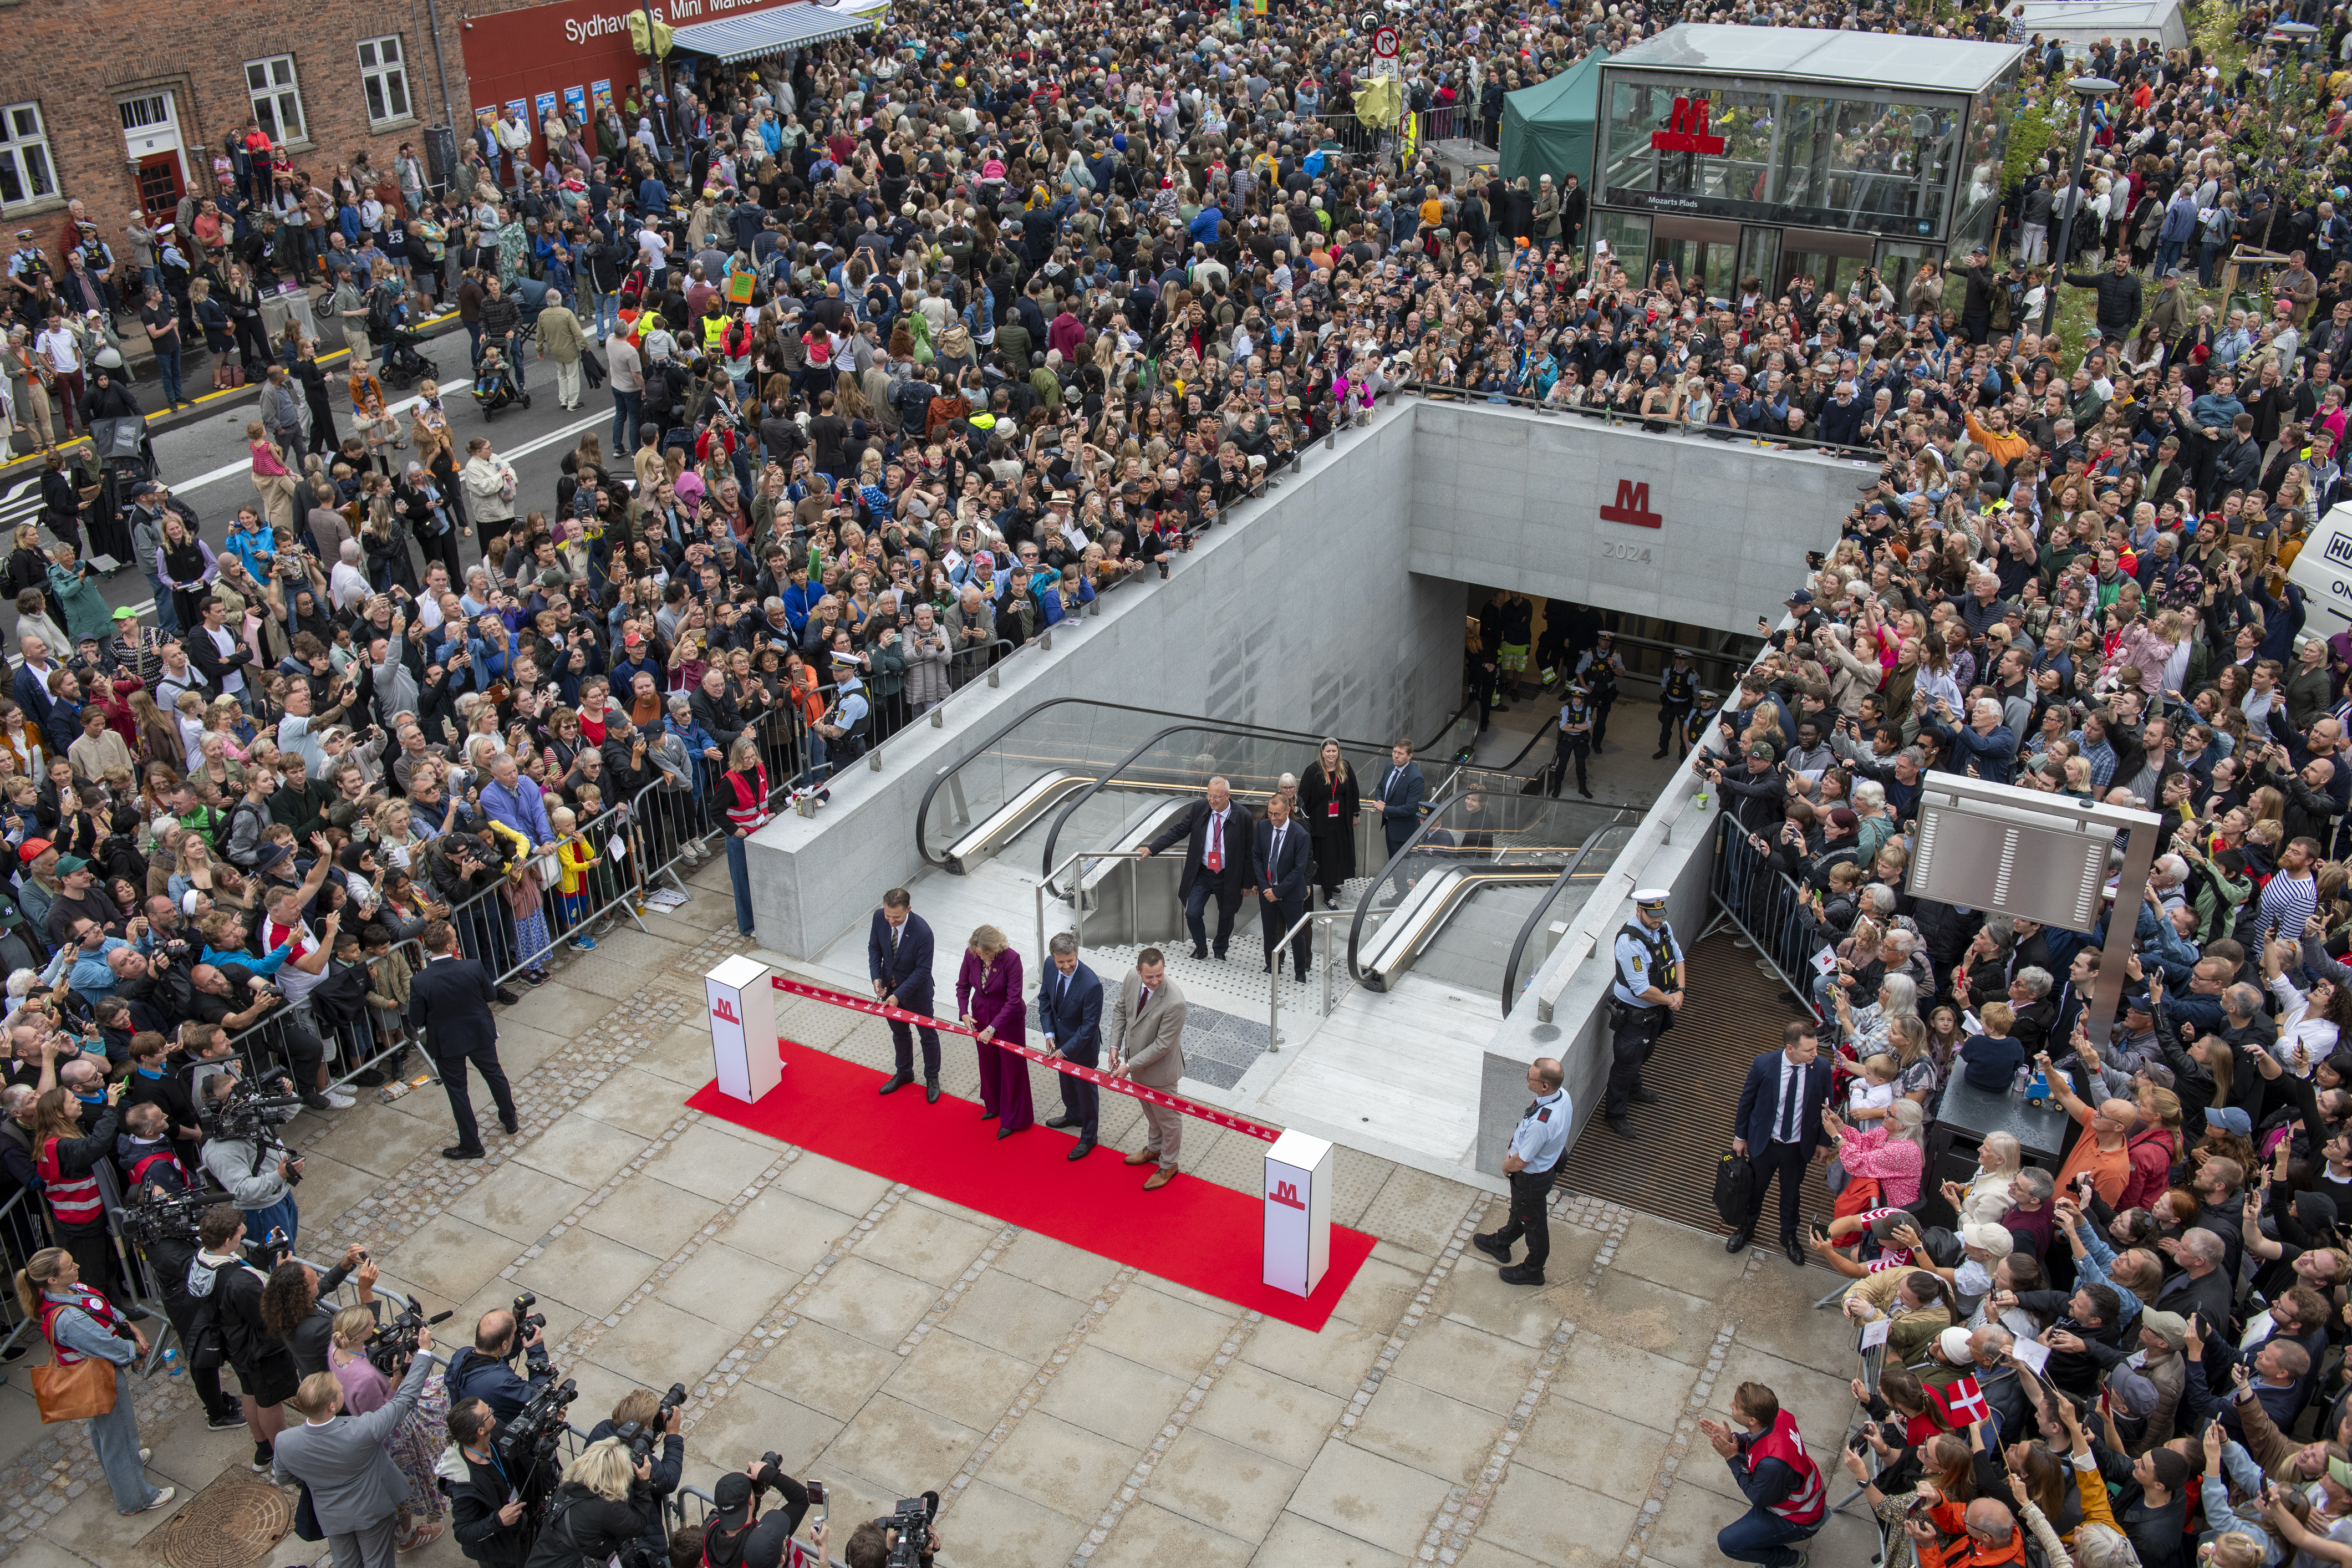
x: 1488, y: 865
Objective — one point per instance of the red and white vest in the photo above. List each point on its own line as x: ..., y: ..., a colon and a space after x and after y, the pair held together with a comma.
x: 101, y: 1312
x: 1808, y: 1501
x: 74, y: 1200
x: 748, y: 814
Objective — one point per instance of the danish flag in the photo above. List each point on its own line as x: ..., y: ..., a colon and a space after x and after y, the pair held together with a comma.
x: 1960, y: 1402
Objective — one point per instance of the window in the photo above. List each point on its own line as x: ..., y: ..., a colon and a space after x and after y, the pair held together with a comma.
x: 26, y: 174
x: 384, y: 77
x: 276, y: 100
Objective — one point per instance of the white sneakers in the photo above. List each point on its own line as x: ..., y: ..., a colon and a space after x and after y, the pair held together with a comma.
x: 339, y: 1099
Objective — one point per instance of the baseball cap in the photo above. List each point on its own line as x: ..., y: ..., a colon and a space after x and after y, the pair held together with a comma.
x: 2135, y: 1396
x: 68, y: 864
x: 1762, y: 751
x: 125, y: 613
x: 1801, y: 596
x: 33, y: 849
x: 2229, y: 1118
x: 2169, y: 1327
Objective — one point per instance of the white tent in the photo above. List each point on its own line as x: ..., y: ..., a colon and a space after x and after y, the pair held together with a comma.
x: 2079, y: 24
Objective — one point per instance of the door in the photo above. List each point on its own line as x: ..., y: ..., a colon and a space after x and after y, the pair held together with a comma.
x: 1701, y: 251
x: 151, y: 135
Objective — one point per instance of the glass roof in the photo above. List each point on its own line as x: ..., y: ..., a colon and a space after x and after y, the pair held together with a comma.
x: 1819, y: 53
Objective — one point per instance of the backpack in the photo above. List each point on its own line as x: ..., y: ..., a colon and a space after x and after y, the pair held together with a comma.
x: 341, y: 996
x: 379, y: 321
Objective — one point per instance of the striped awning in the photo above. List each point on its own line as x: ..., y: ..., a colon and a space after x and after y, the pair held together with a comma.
x: 768, y: 32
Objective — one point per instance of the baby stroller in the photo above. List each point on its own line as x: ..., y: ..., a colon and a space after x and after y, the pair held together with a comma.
x: 494, y: 385
x: 403, y: 365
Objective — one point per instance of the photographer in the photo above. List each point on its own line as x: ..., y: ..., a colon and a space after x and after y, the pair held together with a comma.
x: 227, y: 1292
x: 869, y: 1544
x: 601, y: 1510
x: 169, y: 1253
x: 482, y: 1371
x: 487, y: 1504
x: 252, y: 1166
x: 653, y: 1417
x: 736, y: 1536
x: 291, y: 1308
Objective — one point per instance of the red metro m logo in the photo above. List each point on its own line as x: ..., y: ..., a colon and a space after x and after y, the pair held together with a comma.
x: 1286, y: 1195
x: 1633, y: 506
x: 726, y: 1010
x: 1686, y: 131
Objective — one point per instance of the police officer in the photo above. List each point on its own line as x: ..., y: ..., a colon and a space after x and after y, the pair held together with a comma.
x: 1677, y: 701
x: 1537, y: 1147
x: 1599, y: 669
x: 1642, y: 1002
x: 1574, y: 740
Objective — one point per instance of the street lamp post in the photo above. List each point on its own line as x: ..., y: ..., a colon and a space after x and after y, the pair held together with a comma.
x: 2088, y: 88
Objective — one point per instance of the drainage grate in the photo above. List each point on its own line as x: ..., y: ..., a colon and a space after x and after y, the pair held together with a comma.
x: 230, y: 1523
x: 1731, y: 1013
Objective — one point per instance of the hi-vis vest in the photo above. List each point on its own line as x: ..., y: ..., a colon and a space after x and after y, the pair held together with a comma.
x: 1664, y: 972
x: 1808, y: 1501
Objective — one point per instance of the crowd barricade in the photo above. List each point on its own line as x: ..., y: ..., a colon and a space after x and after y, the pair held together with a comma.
x: 1768, y: 909
x: 349, y: 1046
x: 1601, y: 413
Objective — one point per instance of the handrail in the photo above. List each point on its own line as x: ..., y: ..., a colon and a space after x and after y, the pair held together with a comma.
x: 980, y: 749
x: 1053, y: 834
x: 1273, y: 973
x: 1872, y: 456
x: 1543, y: 907
x: 1077, y: 905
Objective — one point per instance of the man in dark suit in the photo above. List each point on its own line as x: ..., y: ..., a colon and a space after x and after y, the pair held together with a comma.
x: 1285, y: 866
x: 450, y: 1000
x: 899, y: 958
x: 1402, y: 790
x: 1069, y: 1016
x: 1216, y: 837
x: 1777, y: 1128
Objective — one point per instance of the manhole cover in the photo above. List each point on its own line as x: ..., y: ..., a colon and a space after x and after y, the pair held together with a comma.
x: 230, y: 1523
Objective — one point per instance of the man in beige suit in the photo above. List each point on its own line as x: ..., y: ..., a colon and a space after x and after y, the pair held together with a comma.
x: 1147, y: 1032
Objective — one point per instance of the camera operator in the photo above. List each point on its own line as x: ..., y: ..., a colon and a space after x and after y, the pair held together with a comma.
x: 603, y: 1505
x: 257, y: 1171
x: 869, y: 1545
x: 487, y: 1503
x: 291, y: 1310
x: 651, y: 1415
x: 737, y: 1536
x: 227, y: 1290
x: 169, y: 1255
x: 481, y: 1369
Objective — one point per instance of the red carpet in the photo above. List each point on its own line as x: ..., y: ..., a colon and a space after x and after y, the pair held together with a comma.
x: 1191, y: 1231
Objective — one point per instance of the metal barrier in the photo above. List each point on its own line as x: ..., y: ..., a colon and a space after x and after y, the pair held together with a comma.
x: 1766, y: 906
x: 1321, y: 921
x: 356, y: 1044
x: 1871, y: 456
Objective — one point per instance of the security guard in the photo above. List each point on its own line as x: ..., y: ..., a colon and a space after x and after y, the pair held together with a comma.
x: 1574, y: 740
x: 1642, y: 1002
x: 1601, y: 669
x: 1677, y: 701
x: 1536, y: 1148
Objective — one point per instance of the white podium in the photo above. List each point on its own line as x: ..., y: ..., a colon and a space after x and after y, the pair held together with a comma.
x: 1297, y: 1213
x: 744, y: 1027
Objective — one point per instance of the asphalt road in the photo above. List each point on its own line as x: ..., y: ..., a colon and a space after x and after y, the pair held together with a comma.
x: 205, y: 461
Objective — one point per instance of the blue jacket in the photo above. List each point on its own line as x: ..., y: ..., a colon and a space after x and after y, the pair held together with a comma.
x: 1993, y: 754
x: 695, y: 738
x: 473, y: 1375
x: 521, y: 809
x: 2179, y: 218
x: 1759, y: 1104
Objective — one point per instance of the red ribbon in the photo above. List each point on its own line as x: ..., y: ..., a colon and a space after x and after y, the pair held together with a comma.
x: 1145, y: 1092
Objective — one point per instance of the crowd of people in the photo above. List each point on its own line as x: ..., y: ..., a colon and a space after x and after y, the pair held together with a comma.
x: 917, y: 344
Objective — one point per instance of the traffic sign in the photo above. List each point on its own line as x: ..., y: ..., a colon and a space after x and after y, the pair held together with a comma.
x: 1384, y: 43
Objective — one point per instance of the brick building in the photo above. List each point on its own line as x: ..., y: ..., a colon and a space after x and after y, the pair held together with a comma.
x: 126, y: 107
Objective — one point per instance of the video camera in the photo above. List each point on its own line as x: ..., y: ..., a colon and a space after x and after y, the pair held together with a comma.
x: 911, y: 1546
x: 395, y: 1341
x: 641, y: 1437
x: 537, y: 1430
x: 248, y: 1112
x: 147, y: 1220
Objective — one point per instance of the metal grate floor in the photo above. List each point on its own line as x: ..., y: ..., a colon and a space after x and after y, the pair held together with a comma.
x: 1734, y: 1010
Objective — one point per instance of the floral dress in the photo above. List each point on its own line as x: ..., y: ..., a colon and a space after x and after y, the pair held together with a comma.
x: 416, y: 1443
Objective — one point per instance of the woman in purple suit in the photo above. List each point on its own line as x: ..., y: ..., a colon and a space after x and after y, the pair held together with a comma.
x: 988, y: 998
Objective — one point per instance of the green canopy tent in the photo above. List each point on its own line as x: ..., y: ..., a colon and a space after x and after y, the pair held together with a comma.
x: 1549, y: 127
